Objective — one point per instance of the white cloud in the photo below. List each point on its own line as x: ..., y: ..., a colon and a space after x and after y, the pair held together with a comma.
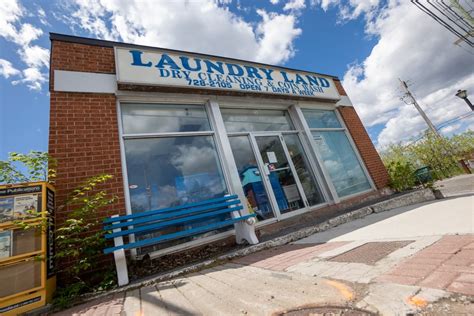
x: 349, y: 10
x: 33, y: 78
x: 7, y: 70
x: 413, y: 47
x: 35, y: 56
x: 276, y: 32
x: 22, y: 34
x: 274, y: 1
x: 27, y: 34
x: 294, y: 5
x: 10, y: 13
x: 202, y: 26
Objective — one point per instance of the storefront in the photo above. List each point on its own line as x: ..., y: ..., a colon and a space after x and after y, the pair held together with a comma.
x: 177, y: 127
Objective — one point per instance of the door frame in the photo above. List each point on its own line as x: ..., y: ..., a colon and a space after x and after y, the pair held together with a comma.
x: 266, y: 179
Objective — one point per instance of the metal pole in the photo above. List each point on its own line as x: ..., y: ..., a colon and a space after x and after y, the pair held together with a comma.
x: 422, y: 113
x: 469, y: 104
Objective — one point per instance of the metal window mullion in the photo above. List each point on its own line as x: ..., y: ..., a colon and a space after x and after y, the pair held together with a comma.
x: 266, y: 183
x: 128, y: 203
x: 327, y: 129
x: 226, y: 155
x: 329, y: 191
x: 172, y: 134
x: 293, y: 170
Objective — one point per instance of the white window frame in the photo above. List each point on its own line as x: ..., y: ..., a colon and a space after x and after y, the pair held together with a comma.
x: 344, y: 129
x: 213, y: 104
x: 147, y: 99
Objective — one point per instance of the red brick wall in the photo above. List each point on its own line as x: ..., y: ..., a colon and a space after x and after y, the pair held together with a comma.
x: 83, y: 132
x: 80, y: 57
x: 365, y: 146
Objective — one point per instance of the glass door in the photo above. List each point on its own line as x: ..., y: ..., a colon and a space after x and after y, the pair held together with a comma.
x: 279, y: 173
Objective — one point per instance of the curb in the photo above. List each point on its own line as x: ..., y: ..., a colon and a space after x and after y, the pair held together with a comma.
x: 410, y: 198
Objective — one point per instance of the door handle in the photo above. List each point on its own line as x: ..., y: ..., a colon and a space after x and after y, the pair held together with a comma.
x: 267, y: 169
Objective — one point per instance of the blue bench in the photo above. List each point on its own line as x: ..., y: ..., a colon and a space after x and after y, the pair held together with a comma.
x: 212, y: 213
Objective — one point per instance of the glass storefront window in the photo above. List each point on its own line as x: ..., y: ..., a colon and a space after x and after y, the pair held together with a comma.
x: 170, y: 171
x: 341, y: 162
x: 166, y: 171
x: 321, y: 119
x: 339, y: 157
x: 160, y: 118
x: 250, y: 177
x: 248, y: 120
x: 303, y: 169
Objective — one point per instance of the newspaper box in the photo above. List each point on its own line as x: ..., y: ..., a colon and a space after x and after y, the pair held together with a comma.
x: 26, y: 247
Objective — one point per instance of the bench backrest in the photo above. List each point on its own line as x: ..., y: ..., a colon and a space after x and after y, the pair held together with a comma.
x: 178, y: 215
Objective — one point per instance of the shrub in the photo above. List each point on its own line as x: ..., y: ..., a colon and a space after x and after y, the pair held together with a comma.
x: 402, y: 176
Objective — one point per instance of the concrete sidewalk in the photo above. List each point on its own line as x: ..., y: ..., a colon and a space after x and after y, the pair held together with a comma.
x: 417, y: 259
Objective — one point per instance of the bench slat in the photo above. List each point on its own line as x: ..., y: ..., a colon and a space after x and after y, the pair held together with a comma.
x: 173, y: 222
x: 170, y: 215
x: 169, y: 209
x: 177, y: 235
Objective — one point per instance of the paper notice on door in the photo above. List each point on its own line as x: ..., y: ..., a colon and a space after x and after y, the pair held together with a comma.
x: 271, y: 157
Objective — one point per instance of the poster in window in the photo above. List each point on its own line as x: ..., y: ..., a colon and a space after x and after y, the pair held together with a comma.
x: 25, y: 205
x: 5, y: 244
x: 6, y: 209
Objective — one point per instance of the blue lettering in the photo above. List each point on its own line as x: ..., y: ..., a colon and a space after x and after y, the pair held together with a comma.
x: 185, y: 63
x: 214, y: 66
x: 312, y: 80
x: 176, y: 73
x: 285, y: 76
x: 253, y: 72
x: 324, y: 82
x: 235, y: 70
x: 299, y: 79
x: 187, y: 74
x: 167, y: 61
x: 164, y: 73
x: 267, y: 73
x: 137, y: 59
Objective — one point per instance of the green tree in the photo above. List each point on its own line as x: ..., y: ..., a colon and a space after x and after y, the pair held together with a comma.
x: 30, y: 167
x: 440, y: 154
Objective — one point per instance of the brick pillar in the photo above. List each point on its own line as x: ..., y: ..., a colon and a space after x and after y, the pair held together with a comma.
x: 367, y: 151
x: 364, y: 144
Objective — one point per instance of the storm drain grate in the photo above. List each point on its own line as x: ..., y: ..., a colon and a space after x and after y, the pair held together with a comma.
x: 370, y: 252
x: 326, y: 311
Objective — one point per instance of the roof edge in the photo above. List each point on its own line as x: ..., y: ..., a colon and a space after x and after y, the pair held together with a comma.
x: 107, y: 43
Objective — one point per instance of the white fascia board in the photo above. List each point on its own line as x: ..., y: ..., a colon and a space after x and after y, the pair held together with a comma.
x: 74, y: 81
x: 344, y: 101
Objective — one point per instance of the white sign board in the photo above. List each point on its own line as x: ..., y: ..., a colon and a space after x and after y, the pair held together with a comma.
x: 161, y: 68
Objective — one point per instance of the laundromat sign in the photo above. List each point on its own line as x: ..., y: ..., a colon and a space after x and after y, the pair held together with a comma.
x: 160, y: 68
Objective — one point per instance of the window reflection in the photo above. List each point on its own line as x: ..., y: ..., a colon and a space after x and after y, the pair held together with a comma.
x: 247, y: 120
x: 281, y: 177
x: 164, y: 172
x: 250, y: 177
x: 303, y: 169
x: 341, y: 162
x: 171, y: 171
x: 160, y: 118
x: 321, y: 119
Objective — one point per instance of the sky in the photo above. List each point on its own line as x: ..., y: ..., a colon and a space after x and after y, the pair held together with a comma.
x: 368, y: 44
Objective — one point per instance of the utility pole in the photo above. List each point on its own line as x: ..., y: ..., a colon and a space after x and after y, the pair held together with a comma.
x: 417, y: 106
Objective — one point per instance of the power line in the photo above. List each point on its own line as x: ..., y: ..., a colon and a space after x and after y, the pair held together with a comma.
x: 454, y: 17
x: 451, y: 121
x: 417, y: 106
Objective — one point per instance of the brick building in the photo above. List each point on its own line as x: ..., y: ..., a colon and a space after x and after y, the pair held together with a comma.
x: 176, y: 127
